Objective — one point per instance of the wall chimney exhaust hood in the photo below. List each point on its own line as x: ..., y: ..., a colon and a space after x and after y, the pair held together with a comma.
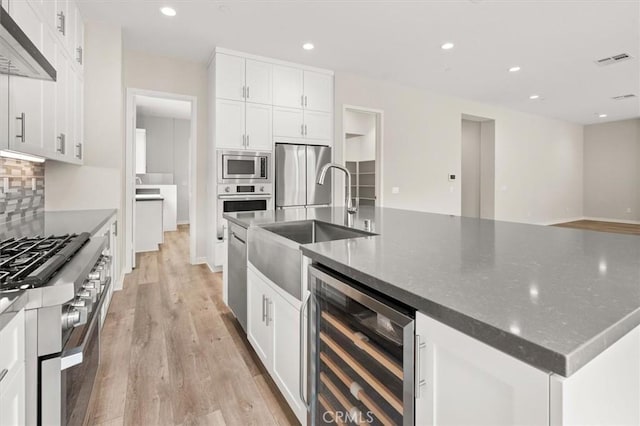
x: 18, y: 55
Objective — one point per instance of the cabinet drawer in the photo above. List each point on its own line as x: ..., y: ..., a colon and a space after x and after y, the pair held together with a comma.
x: 12, y: 345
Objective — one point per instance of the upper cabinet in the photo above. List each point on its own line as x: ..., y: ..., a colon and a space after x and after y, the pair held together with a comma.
x: 260, y: 101
x: 240, y: 79
x: 296, y: 88
x: 46, y: 118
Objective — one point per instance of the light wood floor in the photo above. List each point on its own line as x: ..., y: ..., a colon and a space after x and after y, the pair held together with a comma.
x: 172, y: 353
x: 594, y: 225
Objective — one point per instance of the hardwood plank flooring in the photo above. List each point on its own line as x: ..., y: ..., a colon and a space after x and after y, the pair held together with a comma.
x: 595, y: 225
x: 173, y: 354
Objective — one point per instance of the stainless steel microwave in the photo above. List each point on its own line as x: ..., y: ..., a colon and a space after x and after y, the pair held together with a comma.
x: 243, y: 166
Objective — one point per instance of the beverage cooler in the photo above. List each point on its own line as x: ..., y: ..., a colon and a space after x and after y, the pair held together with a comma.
x: 361, y: 355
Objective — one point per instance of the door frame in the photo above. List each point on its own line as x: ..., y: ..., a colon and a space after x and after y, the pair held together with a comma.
x: 379, y: 144
x: 129, y: 178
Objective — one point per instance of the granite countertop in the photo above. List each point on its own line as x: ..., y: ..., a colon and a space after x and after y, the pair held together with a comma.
x: 57, y: 223
x: 552, y: 297
x: 10, y: 305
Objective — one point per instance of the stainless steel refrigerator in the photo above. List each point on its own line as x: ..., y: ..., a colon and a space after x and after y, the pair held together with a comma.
x: 297, y: 170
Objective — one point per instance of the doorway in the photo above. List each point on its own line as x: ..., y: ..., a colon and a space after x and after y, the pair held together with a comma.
x: 478, y: 166
x: 362, y: 153
x: 160, y: 161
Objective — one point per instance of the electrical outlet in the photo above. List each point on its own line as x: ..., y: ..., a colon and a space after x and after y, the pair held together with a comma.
x: 628, y: 209
x: 452, y: 177
x: 395, y: 190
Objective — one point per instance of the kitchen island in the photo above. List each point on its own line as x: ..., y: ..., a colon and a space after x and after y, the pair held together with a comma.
x: 549, y: 297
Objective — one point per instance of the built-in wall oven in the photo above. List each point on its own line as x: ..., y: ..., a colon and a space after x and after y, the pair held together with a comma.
x: 244, y: 167
x: 360, y: 354
x: 244, y: 184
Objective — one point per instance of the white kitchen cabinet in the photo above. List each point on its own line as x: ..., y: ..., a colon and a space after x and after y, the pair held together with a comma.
x: 77, y: 114
x: 62, y: 110
x: 241, y: 79
x: 230, y: 124
x: 4, y: 111
x: 49, y: 49
x: 288, y: 123
x: 79, y: 42
x: 12, y: 372
x: 288, y: 87
x: 273, y: 331
x: 468, y: 382
x: 62, y: 21
x: 258, y: 126
x: 318, y: 91
x: 318, y: 126
x: 259, y: 331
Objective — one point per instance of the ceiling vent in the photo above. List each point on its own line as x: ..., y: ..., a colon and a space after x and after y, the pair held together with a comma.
x: 613, y: 59
x: 623, y: 97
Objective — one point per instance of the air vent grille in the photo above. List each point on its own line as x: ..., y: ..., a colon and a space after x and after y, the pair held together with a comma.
x: 610, y: 60
x: 623, y: 97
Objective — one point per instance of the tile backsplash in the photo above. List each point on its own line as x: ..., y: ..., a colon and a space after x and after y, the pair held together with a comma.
x: 21, y: 189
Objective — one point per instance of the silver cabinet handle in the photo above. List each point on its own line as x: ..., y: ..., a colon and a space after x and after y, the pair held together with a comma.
x: 244, y: 92
x: 63, y: 143
x: 62, y: 23
x: 3, y: 373
x: 244, y: 141
x: 305, y: 130
x: 302, y: 100
x: 269, y: 311
x: 22, y: 118
x: 248, y: 95
x: 305, y: 100
x: 420, y: 346
x: 264, y: 308
x: 79, y: 151
x: 247, y: 141
x: 303, y: 352
x: 302, y: 129
x: 79, y: 55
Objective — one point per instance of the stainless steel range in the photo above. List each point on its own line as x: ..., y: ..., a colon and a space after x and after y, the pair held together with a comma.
x: 66, y: 278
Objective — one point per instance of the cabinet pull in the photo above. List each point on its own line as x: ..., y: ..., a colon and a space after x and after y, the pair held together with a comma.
x: 302, y: 129
x: 244, y: 141
x: 302, y: 100
x: 62, y: 23
x: 269, y: 311
x: 305, y: 130
x: 79, y: 56
x: 22, y: 119
x: 248, y: 93
x: 63, y: 142
x: 303, y: 351
x: 247, y: 141
x: 305, y: 100
x: 264, y: 308
x: 244, y: 92
x: 79, y: 151
x: 420, y: 382
x: 3, y: 374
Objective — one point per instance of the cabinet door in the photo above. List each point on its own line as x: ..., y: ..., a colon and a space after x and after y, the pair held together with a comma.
x: 469, y: 382
x: 258, y: 82
x: 286, y: 355
x: 12, y: 398
x: 79, y: 41
x: 258, y: 126
x: 49, y: 48
x: 288, y: 87
x: 259, y: 330
x: 25, y: 94
x: 62, y: 20
x: 72, y: 88
x: 78, y: 119
x: 70, y: 23
x: 62, y: 141
x: 229, y: 77
x: 318, y: 126
x: 318, y: 91
x: 230, y: 124
x: 4, y: 111
x: 288, y: 123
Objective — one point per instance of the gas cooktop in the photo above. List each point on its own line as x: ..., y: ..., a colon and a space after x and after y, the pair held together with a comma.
x: 31, y: 262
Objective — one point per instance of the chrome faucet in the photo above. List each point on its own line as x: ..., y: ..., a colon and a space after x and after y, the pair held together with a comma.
x: 323, y: 173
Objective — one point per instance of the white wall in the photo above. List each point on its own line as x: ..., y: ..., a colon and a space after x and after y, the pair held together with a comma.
x: 98, y: 184
x: 363, y: 147
x: 470, y: 175
x: 168, y: 152
x: 612, y: 170
x: 538, y: 161
x: 487, y: 169
x: 170, y: 75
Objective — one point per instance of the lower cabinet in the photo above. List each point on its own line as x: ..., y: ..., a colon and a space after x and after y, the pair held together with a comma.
x: 466, y: 382
x: 12, y: 372
x: 273, y: 331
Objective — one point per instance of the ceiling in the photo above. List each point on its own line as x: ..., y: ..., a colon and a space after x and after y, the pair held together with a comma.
x: 555, y: 43
x: 160, y: 107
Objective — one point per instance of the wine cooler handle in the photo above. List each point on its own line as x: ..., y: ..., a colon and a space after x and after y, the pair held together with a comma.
x: 304, y: 333
x: 420, y: 382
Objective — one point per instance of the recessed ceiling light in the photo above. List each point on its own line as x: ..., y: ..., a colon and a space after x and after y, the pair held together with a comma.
x: 514, y: 69
x: 308, y: 46
x: 602, y: 115
x: 534, y: 97
x: 447, y: 46
x: 168, y: 11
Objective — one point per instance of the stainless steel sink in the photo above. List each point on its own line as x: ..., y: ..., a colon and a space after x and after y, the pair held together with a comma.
x: 275, y: 248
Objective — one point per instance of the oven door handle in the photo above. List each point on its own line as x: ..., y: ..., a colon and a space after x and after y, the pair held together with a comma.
x: 71, y: 357
x: 244, y: 197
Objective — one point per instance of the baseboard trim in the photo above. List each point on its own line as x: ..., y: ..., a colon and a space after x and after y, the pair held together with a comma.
x: 564, y: 220
x: 119, y: 285
x: 182, y: 222
x: 605, y: 219
x: 214, y: 269
x: 200, y: 261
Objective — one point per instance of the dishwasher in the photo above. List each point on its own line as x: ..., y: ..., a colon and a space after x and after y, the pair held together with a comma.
x: 360, y: 354
x: 237, y: 270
